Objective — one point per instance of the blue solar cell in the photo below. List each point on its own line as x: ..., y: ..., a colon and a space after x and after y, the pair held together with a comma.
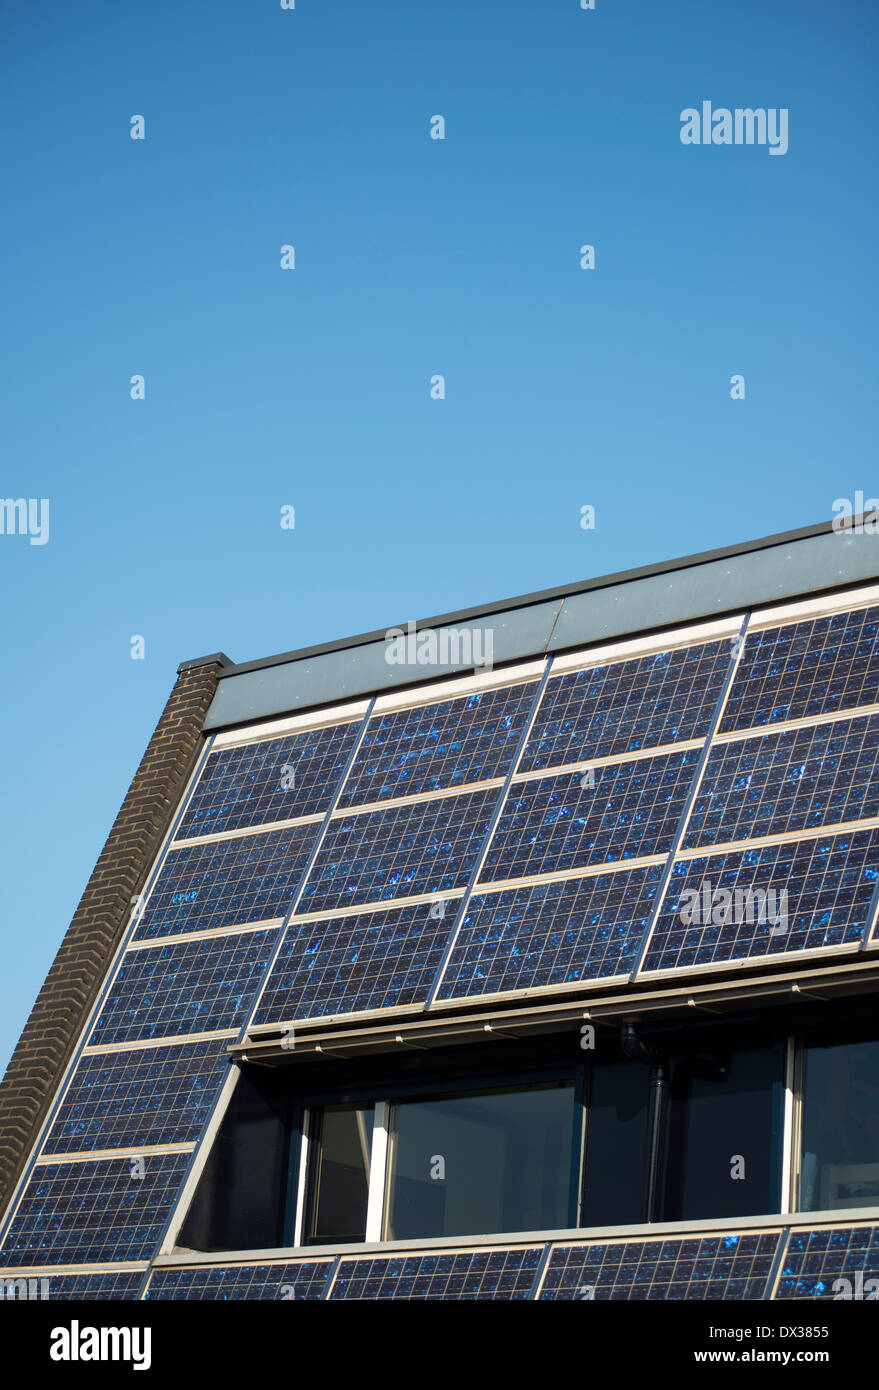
x: 551, y: 824
x: 227, y: 883
x: 275, y: 779
x: 619, y: 708
x: 706, y: 1267
x: 780, y: 783
x: 263, y: 1282
x: 480, y: 1274
x: 399, y: 851
x: 805, y: 669
x: 817, y: 894
x: 102, y: 1286
x: 184, y: 987
x: 551, y: 933
x: 374, y: 960
x: 831, y: 1262
x: 93, y: 1212
x: 439, y: 746
x: 155, y: 1095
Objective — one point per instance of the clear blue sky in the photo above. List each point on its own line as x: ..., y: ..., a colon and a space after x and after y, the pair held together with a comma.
x: 310, y: 387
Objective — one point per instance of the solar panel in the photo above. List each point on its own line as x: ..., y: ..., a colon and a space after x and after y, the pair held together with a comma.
x: 550, y: 824
x: 111, y: 1286
x: 374, y: 960
x: 399, y: 851
x: 275, y: 779
x: 477, y: 1274
x: 155, y: 1095
x: 184, y: 987
x: 439, y: 746
x: 705, y: 1267
x: 551, y: 933
x: 227, y: 883
x: 801, y: 670
x: 834, y: 1263
x: 614, y: 709
x: 780, y: 783
x: 264, y: 1282
x: 829, y: 884
x: 95, y: 1211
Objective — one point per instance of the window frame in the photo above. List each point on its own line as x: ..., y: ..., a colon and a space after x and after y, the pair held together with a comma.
x: 303, y: 1155
x: 384, y: 1085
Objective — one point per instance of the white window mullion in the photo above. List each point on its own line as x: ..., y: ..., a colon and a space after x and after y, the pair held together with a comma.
x: 377, y: 1171
x: 301, y: 1184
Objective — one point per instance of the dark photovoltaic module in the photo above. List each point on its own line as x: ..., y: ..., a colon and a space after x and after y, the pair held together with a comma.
x: 225, y: 883
x: 368, y: 960
x: 272, y: 780
x: 551, y: 933
x: 800, y: 896
x: 398, y: 851
x: 550, y: 824
x: 94, y: 1211
x: 605, y: 711
x: 439, y: 747
x: 266, y: 1282
x: 479, y: 1274
x: 184, y: 987
x: 153, y: 1095
x: 730, y: 1266
x: 803, y: 670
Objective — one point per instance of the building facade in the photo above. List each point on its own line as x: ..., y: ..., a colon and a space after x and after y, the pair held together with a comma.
x: 526, y: 953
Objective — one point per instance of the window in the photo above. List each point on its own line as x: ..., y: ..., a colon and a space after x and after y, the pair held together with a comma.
x: 689, y: 1124
x: 482, y: 1161
x: 839, y: 1154
x: 725, y: 1122
x: 340, y: 1174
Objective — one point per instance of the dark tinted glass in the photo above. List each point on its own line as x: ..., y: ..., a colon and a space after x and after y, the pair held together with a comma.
x: 476, y: 1163
x: 840, y: 1154
x: 724, y: 1151
x: 616, y: 1145
x: 340, y: 1175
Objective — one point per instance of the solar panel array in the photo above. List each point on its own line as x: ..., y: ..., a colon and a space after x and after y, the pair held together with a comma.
x: 143, y: 1097
x: 184, y: 987
x: 730, y: 1266
x: 266, y: 1282
x: 440, y: 746
x: 104, y: 1287
x: 800, y: 670
x: 839, y: 1263
x: 523, y: 837
x: 551, y: 933
x: 92, y: 1212
x: 506, y: 1274
x: 809, y: 1262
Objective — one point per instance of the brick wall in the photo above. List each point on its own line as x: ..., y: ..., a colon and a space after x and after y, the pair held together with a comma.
x: 78, y: 969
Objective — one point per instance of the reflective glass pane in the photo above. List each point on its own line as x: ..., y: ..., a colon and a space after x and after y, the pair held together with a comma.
x: 616, y: 1145
x: 840, y: 1155
x: 724, y: 1120
x: 486, y: 1161
x: 340, y: 1174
